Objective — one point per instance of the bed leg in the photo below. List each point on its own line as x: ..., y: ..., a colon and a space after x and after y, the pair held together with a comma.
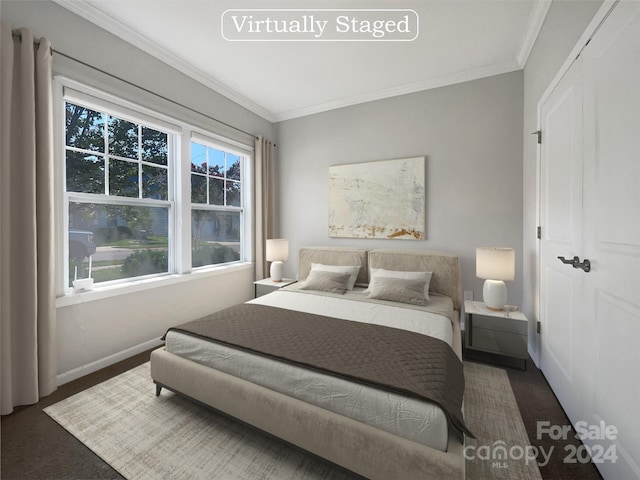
x: 158, y: 389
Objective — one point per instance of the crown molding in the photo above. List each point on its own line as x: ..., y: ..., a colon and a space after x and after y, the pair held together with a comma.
x: 98, y: 17
x: 437, y: 82
x: 124, y: 32
x: 534, y: 25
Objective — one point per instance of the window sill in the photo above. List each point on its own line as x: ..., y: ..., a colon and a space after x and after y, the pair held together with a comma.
x: 98, y: 292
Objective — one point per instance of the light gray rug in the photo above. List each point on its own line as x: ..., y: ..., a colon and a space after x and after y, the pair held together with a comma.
x: 501, y: 449
x: 122, y: 421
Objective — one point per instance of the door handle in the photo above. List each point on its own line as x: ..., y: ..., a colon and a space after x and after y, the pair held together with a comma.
x: 576, y: 263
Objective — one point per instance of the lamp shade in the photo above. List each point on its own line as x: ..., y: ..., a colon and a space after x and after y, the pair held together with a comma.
x: 277, y: 250
x: 495, y: 263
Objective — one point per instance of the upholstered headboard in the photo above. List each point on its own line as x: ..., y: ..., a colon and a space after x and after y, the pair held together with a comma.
x: 446, y: 278
x: 333, y: 256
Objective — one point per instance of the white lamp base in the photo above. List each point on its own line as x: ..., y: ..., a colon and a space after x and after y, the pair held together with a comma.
x: 276, y: 271
x: 494, y: 294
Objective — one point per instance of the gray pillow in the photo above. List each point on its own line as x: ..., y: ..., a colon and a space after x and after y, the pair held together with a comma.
x: 376, y: 273
x: 324, y: 281
x: 351, y: 270
x: 402, y: 290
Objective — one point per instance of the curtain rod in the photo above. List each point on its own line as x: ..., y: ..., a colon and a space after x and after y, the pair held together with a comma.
x: 53, y: 50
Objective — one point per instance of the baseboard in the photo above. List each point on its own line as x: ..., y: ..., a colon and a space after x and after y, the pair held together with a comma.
x: 76, y: 373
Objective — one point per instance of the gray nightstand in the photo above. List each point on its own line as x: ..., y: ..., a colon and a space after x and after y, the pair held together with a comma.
x: 262, y: 287
x: 503, y: 336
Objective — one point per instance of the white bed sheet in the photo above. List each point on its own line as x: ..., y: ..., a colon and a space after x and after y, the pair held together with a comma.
x: 415, y: 419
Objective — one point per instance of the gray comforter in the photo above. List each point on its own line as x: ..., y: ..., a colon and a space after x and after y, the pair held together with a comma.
x: 388, y: 358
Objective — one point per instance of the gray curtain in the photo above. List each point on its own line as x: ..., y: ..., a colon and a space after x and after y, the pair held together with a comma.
x: 265, y: 202
x: 27, y: 298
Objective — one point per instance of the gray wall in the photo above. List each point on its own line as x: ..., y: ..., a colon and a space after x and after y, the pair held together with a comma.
x: 471, y: 134
x: 565, y: 23
x: 99, y: 328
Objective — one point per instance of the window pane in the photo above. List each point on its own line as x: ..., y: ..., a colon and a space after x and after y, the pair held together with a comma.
x: 216, y: 162
x: 123, y: 138
x: 154, y: 146
x: 85, y: 173
x: 123, y: 178
x: 215, y: 237
x: 233, y: 167
x: 84, y: 128
x: 198, y: 188
x: 223, y: 170
x: 122, y: 241
x: 216, y: 191
x: 233, y: 193
x: 198, y: 158
x: 154, y: 182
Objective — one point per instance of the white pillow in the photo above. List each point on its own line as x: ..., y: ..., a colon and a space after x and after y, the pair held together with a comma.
x: 381, y: 272
x: 351, y: 270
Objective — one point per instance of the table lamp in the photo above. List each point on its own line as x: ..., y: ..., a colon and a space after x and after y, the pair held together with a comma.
x: 495, y: 265
x: 277, y: 252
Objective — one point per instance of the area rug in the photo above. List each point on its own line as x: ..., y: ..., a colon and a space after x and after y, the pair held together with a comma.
x: 142, y: 438
x: 501, y: 449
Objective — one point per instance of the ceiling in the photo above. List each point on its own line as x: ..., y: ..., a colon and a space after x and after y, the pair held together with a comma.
x: 458, y: 40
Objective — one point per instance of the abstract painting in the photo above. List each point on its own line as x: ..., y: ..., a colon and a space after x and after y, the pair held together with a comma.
x: 383, y: 199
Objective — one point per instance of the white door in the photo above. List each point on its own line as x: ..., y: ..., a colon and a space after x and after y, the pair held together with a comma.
x: 612, y: 231
x: 590, y: 208
x: 561, y: 235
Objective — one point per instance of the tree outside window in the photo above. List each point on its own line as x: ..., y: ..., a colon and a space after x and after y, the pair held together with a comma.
x: 216, y: 197
x: 124, y: 205
x: 109, y: 160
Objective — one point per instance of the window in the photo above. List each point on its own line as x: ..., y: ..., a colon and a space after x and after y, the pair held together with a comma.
x: 216, y: 198
x: 123, y: 197
x: 117, y: 186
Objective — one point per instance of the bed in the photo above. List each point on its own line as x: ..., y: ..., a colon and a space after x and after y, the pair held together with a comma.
x: 376, y: 430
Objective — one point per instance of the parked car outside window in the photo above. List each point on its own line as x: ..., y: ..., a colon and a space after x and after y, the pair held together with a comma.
x: 81, y: 245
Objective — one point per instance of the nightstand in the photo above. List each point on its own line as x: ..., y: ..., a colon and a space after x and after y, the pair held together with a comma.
x: 495, y: 335
x: 262, y: 287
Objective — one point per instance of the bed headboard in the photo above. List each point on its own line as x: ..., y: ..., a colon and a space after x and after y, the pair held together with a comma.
x: 333, y: 256
x: 446, y: 278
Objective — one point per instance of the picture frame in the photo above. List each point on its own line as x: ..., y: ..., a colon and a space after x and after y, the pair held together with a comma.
x: 379, y: 199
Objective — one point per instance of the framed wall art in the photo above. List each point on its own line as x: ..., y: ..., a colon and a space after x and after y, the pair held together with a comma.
x: 382, y: 199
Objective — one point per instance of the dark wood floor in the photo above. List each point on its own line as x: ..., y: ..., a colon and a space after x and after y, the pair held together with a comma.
x: 538, y: 403
x: 35, y: 447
